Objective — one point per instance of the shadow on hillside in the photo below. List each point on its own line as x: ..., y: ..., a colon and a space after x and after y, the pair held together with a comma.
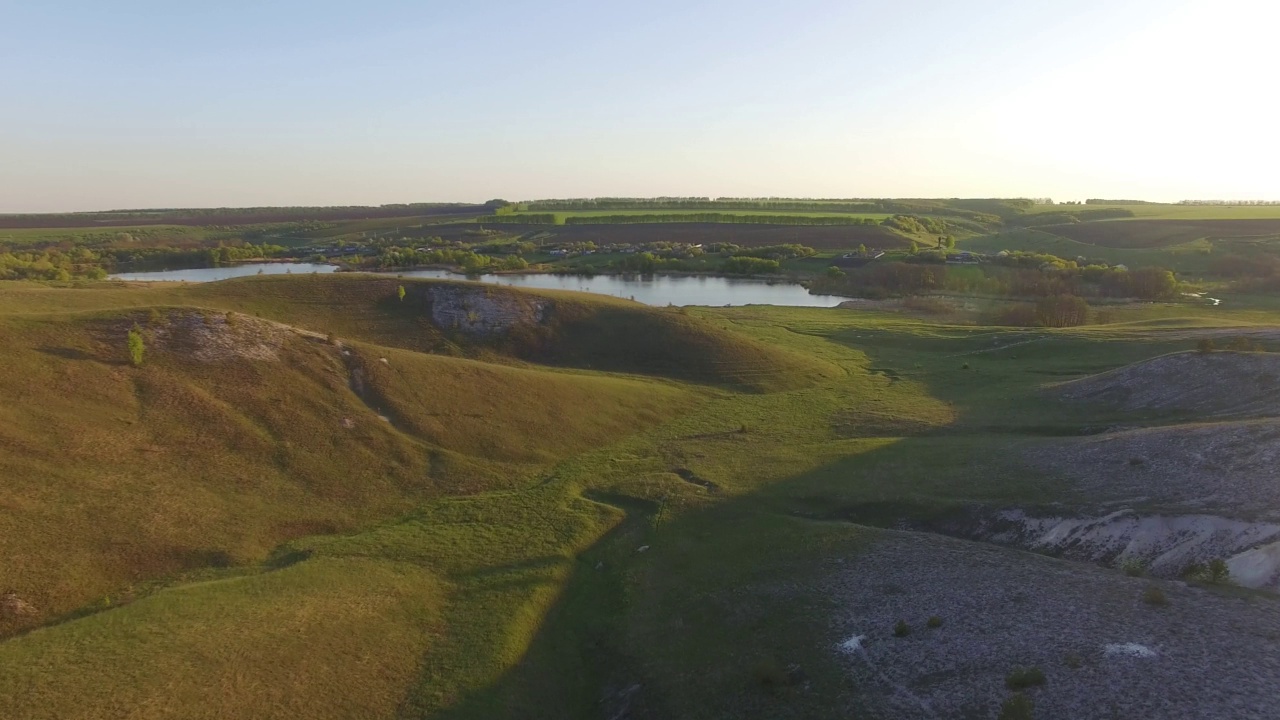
x: 739, y: 581
x: 725, y: 613
x: 75, y: 354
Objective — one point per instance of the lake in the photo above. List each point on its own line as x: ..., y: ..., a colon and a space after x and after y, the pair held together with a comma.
x: 658, y: 290
x: 225, y: 272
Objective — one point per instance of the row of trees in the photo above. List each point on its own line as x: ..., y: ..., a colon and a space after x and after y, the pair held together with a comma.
x: 522, y: 219
x: 917, y: 225
x: 84, y: 261
x: 720, y: 218
x: 49, y: 265
x: 977, y: 210
x: 1229, y: 202
x: 1053, y: 311
x: 468, y: 260
x: 705, y: 203
x: 647, y: 263
x: 897, y: 279
x: 785, y: 251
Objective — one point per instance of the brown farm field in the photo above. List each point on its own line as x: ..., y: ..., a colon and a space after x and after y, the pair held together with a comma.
x: 1160, y: 233
x: 232, y: 216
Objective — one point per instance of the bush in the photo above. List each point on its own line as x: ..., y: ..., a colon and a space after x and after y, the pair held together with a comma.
x: 1073, y: 661
x: 1133, y: 567
x: 1244, y: 344
x: 1219, y: 572
x: 1205, y: 346
x: 1017, y: 707
x: 750, y: 266
x: 1215, y: 571
x: 934, y: 622
x: 1020, y: 315
x: 136, y: 347
x: 769, y: 674
x: 1153, y: 595
x: 926, y: 305
x: 902, y: 629
x: 1023, y: 678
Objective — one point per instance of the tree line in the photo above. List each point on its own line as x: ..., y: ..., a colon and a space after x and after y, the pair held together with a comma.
x: 1098, y: 201
x: 1229, y: 202
x: 466, y: 259
x: 703, y: 203
x: 1024, y: 277
x: 95, y: 264
x: 720, y: 218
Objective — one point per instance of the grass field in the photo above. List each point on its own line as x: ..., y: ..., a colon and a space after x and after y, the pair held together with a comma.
x: 1177, y: 212
x: 1189, y: 256
x: 142, y: 235
x: 1163, y: 233
x: 606, y: 496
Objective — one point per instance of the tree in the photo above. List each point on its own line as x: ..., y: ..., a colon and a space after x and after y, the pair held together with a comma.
x: 1153, y: 283
x: 835, y: 273
x: 400, y: 293
x: 1062, y: 311
x: 135, y: 346
x: 951, y: 241
x: 915, y: 247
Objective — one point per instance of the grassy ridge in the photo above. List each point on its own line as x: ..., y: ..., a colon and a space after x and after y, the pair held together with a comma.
x: 577, y: 330
x: 468, y: 406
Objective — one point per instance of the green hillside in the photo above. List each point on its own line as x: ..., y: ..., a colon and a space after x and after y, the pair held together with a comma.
x: 237, y: 434
x: 557, y: 328
x: 357, y: 506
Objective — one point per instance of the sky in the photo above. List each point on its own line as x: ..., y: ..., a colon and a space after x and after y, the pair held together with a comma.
x: 160, y: 104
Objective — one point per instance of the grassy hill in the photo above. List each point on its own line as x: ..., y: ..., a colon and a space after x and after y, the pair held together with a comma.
x: 505, y: 324
x: 237, y: 434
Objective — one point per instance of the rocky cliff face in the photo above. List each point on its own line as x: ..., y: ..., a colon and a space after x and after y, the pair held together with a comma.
x: 483, y: 312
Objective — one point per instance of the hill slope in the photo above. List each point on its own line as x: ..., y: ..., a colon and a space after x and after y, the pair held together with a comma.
x: 1217, y: 384
x: 557, y: 328
x: 237, y: 434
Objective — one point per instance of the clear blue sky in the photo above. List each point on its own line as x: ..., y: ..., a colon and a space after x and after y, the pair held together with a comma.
x: 161, y: 104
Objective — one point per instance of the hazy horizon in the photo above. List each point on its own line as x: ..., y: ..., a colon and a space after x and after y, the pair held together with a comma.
x: 148, y: 105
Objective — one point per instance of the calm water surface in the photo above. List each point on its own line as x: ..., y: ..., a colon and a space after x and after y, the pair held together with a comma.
x: 652, y: 290
x: 223, y: 273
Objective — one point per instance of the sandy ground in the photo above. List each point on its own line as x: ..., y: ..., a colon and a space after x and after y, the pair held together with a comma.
x: 1226, y: 468
x: 1207, y: 654
x: 1207, y: 384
